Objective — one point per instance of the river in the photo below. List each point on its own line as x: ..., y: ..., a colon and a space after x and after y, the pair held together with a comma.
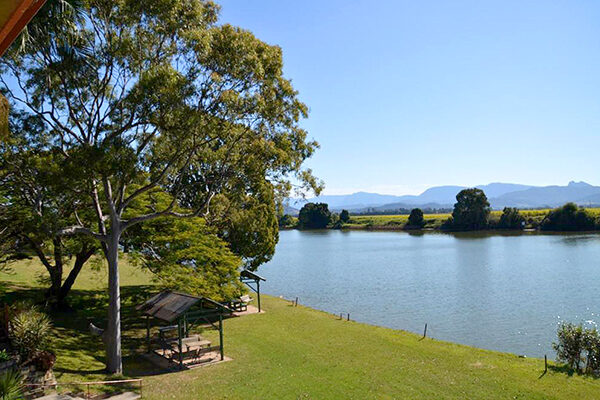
x: 499, y: 292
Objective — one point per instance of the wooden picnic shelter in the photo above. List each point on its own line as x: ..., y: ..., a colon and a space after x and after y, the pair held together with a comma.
x: 250, y: 279
x: 181, y: 312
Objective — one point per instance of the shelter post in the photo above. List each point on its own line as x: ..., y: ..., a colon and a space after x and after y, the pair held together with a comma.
x: 258, y: 293
x: 221, y: 335
x: 179, y: 343
x: 148, y: 333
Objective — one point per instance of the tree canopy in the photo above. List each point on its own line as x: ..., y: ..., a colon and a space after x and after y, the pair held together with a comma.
x: 511, y: 219
x: 415, y: 219
x: 568, y: 218
x: 471, y: 210
x: 186, y: 255
x: 344, y: 216
x: 135, y: 95
x: 314, y: 216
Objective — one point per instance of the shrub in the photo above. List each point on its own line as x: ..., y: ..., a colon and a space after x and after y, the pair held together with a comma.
x: 511, y: 219
x: 415, y: 219
x: 30, y: 332
x: 578, y: 347
x: 43, y: 360
x: 344, y: 216
x: 286, y: 221
x: 11, y: 385
x: 4, y: 356
x: 568, y: 218
x: 314, y: 216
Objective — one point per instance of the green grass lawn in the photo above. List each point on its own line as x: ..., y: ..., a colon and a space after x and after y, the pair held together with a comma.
x: 295, y: 353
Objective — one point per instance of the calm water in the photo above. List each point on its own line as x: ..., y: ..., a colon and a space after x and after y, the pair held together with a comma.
x: 504, y: 293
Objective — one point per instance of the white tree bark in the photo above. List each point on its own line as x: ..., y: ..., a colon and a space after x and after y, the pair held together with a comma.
x: 112, y: 334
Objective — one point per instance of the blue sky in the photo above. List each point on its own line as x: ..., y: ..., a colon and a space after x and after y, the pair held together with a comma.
x: 404, y: 95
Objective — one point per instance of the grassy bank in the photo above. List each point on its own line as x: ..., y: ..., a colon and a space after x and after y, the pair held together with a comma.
x: 296, y: 353
x: 434, y: 221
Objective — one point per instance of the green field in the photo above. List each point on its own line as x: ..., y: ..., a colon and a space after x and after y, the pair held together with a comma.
x: 434, y: 221
x: 294, y: 353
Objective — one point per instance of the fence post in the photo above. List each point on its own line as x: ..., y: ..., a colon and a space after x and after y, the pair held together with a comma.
x: 545, y: 363
x: 425, y: 331
x: 348, y: 316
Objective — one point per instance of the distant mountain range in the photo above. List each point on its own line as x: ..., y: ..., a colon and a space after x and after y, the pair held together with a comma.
x: 500, y: 195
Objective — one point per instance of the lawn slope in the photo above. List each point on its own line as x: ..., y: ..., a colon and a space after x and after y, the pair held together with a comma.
x: 296, y: 353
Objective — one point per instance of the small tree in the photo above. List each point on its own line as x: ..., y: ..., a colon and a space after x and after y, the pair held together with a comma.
x: 415, y: 219
x: 314, y: 216
x: 344, y: 216
x: 511, y: 219
x: 286, y: 221
x: 568, y: 218
x: 578, y: 347
x: 471, y: 211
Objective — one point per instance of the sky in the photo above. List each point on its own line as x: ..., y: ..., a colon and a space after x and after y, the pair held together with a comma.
x: 405, y: 95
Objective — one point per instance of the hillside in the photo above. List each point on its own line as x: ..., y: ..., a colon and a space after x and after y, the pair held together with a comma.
x: 500, y: 195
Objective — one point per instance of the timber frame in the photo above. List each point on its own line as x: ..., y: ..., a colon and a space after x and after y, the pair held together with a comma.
x: 184, y: 311
x: 250, y: 278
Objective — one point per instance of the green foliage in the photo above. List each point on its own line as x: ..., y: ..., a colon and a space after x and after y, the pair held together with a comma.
x: 344, y: 216
x: 415, y: 219
x: 3, y: 118
x: 568, y: 218
x: 314, y: 216
x: 286, y: 221
x: 29, y: 223
x: 30, y: 331
x: 511, y: 219
x: 4, y: 356
x: 133, y: 96
x: 578, y: 347
x: 471, y: 210
x: 11, y: 385
x: 185, y: 255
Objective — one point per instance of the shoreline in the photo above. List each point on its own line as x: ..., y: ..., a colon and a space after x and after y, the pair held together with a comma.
x: 417, y: 335
x: 489, y: 232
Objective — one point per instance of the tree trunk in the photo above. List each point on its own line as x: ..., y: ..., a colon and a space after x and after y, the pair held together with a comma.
x: 80, y: 259
x: 112, y: 334
x: 55, y: 282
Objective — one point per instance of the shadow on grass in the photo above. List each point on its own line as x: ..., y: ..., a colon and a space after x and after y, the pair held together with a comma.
x: 80, y: 353
x: 567, y: 370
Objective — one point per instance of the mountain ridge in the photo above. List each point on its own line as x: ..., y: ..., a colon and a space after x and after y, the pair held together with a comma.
x: 499, y: 194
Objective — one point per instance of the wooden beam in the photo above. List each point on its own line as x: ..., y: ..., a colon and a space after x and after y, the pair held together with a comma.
x: 24, y: 12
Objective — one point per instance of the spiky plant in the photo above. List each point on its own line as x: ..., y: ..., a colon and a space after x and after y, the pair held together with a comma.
x: 30, y: 331
x: 11, y: 385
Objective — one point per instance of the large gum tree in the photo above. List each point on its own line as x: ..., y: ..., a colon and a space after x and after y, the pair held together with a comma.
x: 142, y: 95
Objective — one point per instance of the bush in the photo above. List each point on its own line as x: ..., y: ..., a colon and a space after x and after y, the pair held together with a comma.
x: 4, y: 356
x: 43, y: 360
x: 415, y: 219
x: 344, y: 216
x: 511, y: 219
x: 568, y: 218
x: 30, y: 332
x: 286, y: 221
x: 11, y: 385
x: 578, y: 347
x: 314, y: 216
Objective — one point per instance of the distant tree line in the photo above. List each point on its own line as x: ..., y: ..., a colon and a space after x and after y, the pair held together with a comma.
x: 471, y: 212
